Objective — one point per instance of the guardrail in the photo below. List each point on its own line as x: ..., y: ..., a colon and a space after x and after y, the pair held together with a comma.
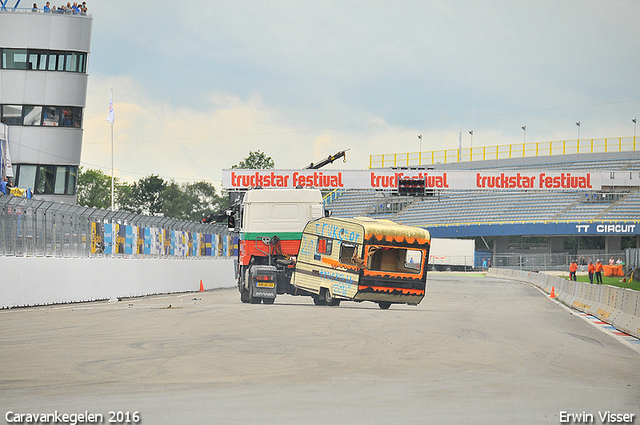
x: 619, y: 307
x: 516, y: 150
x: 30, y: 227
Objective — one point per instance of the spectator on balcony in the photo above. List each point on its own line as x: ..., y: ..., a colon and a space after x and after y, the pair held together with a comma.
x: 46, y: 8
x: 34, y: 8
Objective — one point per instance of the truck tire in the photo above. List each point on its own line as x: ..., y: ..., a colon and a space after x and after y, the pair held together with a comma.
x: 384, y: 305
x: 244, y: 296
x: 328, y: 299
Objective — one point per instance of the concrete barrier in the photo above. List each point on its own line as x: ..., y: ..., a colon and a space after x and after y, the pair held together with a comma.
x: 619, y: 307
x: 33, y: 281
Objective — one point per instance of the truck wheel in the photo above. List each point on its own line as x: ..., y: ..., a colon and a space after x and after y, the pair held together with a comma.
x: 268, y: 300
x: 244, y: 296
x: 329, y: 300
x: 384, y: 305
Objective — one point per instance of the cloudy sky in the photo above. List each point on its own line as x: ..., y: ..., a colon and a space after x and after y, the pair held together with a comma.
x: 198, y: 85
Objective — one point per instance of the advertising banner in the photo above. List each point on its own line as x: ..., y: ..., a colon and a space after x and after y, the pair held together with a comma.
x: 207, y: 244
x: 108, y: 238
x: 120, y: 237
x: 140, y: 240
x: 129, y: 239
x: 97, y: 236
x: 147, y: 241
x: 538, y: 229
x: 388, y: 179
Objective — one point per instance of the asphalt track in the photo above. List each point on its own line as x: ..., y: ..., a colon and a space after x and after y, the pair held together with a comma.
x: 475, y: 351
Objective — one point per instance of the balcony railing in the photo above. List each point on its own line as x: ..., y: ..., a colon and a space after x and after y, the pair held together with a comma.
x: 516, y: 150
x: 12, y: 9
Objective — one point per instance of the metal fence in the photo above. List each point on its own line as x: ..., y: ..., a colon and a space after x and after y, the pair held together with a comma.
x: 552, y: 262
x: 632, y: 256
x: 30, y: 227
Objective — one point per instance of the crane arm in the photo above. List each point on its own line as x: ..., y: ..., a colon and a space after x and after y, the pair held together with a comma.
x: 327, y: 160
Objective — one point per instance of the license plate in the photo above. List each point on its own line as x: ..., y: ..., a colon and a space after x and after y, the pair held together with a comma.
x: 265, y: 284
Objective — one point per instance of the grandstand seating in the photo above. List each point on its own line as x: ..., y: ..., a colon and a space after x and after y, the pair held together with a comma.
x: 472, y: 206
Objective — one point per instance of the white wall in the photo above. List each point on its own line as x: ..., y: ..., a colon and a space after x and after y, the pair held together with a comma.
x: 31, y: 281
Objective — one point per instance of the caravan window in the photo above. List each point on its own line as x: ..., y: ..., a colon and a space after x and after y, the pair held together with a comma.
x: 346, y: 253
x: 390, y: 259
x: 325, y: 246
x: 413, y: 259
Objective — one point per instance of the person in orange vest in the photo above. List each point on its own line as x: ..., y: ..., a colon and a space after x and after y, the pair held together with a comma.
x: 573, y: 268
x: 599, y: 268
x: 591, y: 269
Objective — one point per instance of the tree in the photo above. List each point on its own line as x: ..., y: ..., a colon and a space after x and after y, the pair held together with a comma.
x: 191, y: 201
x: 145, y: 196
x: 256, y: 160
x: 94, y: 189
x: 150, y: 195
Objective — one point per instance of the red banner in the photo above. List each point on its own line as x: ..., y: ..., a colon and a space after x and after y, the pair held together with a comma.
x: 386, y: 179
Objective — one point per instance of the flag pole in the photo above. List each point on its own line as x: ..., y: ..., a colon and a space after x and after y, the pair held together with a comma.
x: 112, y: 167
x: 111, y: 119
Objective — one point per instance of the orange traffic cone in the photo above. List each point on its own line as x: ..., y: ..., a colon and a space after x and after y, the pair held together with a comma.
x: 553, y: 292
x: 201, y: 286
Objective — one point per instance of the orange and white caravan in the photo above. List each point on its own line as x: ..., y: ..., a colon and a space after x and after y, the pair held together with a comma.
x: 362, y: 259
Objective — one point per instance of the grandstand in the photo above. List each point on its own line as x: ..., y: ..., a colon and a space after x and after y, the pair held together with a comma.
x: 505, y: 216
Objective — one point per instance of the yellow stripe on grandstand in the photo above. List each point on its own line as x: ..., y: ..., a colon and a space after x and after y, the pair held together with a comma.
x: 516, y: 150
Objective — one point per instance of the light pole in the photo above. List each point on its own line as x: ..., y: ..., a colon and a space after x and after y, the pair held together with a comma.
x: 524, y: 131
x: 420, y: 137
x: 634, y: 128
x: 578, y: 124
x: 471, y: 133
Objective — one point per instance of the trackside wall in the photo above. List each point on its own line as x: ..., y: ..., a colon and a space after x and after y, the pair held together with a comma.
x: 619, y: 307
x: 34, y: 281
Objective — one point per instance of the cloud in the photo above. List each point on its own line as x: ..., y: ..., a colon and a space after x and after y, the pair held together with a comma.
x: 196, y: 88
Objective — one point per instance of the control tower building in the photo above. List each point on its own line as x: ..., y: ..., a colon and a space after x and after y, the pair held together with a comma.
x: 43, y: 92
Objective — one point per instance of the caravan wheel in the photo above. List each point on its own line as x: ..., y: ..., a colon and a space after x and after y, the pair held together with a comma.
x: 384, y: 305
x: 318, y: 301
x: 328, y: 299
